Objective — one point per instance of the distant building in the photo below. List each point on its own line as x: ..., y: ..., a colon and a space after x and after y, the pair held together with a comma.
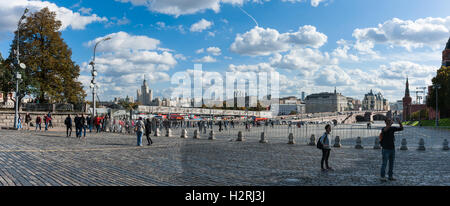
x: 144, y: 95
x: 290, y: 100
x: 375, y: 102
x: 353, y: 104
x: 286, y: 109
x: 326, y: 102
x: 303, y: 96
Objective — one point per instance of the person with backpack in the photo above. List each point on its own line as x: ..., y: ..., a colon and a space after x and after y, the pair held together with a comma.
x: 387, y: 140
x: 68, y: 123
x: 139, y: 129
x: 324, y: 144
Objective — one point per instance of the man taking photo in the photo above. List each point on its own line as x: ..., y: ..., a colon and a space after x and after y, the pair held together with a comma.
x: 387, y: 140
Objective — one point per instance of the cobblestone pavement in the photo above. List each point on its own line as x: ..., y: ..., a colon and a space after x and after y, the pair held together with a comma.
x: 50, y: 158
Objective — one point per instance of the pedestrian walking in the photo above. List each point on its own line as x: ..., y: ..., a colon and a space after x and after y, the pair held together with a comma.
x: 83, y: 125
x: 68, y: 123
x: 50, y: 124
x: 38, y: 123
x: 148, y: 131
x: 89, y: 123
x: 46, y: 121
x: 28, y: 120
x: 19, y: 123
x: 139, y: 129
x: 77, y: 125
x: 388, y: 148
x: 324, y: 140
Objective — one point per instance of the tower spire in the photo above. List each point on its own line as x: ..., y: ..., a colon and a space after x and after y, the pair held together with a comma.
x: 407, y: 88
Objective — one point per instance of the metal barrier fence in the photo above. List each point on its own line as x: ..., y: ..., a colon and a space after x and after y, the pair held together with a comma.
x: 276, y: 133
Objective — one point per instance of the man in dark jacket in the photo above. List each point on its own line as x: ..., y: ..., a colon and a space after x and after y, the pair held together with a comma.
x: 388, y: 151
x: 68, y: 123
x: 148, y: 131
x: 78, y: 126
x: 83, y: 125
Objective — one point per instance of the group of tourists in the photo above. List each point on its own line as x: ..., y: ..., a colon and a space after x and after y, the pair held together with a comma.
x: 387, y: 140
x: 46, y: 119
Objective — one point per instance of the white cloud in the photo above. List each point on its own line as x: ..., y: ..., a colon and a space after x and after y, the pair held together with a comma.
x: 85, y: 11
x: 201, y: 25
x: 333, y: 76
x: 314, y: 3
x: 214, y: 51
x: 304, y: 60
x: 261, y: 67
x: 124, y: 41
x: 206, y: 59
x: 427, y: 32
x: 182, y: 7
x: 199, y: 51
x: 260, y: 41
x: 12, y: 10
x: 342, y: 51
x: 403, y: 69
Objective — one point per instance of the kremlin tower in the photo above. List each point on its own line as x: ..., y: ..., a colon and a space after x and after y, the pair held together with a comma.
x: 407, y: 102
x: 446, y: 55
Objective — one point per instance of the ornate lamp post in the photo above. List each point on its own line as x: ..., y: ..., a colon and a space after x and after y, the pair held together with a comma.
x: 94, y: 73
x: 437, y: 87
x: 21, y: 65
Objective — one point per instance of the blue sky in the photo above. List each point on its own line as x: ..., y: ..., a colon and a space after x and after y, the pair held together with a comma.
x: 355, y: 45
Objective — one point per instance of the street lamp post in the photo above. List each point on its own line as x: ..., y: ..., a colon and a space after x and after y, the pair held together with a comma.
x: 436, y: 87
x: 94, y: 73
x: 22, y: 65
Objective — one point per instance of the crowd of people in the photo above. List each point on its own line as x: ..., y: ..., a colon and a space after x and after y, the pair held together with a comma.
x: 148, y: 126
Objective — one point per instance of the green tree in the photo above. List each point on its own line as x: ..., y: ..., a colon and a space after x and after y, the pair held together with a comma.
x: 443, y: 79
x: 50, y: 75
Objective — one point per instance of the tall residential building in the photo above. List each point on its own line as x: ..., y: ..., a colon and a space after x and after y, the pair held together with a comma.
x: 144, y: 95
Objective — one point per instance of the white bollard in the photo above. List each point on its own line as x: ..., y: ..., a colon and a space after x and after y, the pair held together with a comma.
x: 404, y: 144
x: 291, y: 138
x: 445, y: 145
x: 196, y: 136
x: 157, y: 132
x: 211, y: 135
x: 377, y: 143
x: 263, y: 138
x: 337, y: 142
x: 184, y: 133
x: 312, y: 140
x: 421, y: 144
x: 240, y: 137
x: 358, y: 143
x: 169, y: 132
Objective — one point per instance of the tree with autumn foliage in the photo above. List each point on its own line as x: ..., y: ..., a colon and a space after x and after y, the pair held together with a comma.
x: 443, y: 79
x: 50, y: 75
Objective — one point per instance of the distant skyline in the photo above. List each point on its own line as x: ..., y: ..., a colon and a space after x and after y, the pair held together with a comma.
x: 315, y: 45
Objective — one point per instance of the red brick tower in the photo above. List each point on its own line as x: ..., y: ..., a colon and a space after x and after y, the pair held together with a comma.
x: 407, y: 103
x: 446, y: 55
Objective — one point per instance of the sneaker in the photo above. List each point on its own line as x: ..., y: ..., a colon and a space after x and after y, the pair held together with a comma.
x: 391, y: 179
x: 323, y: 170
x: 330, y: 169
x: 383, y: 179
